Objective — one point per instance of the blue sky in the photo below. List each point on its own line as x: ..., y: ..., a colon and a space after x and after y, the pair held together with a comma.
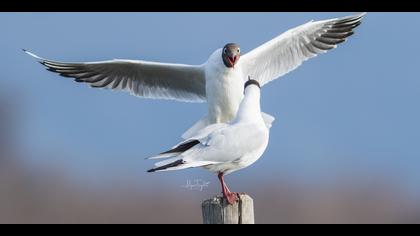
x: 353, y: 110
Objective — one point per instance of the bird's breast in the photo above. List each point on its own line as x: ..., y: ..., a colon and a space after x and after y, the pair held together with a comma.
x: 224, y: 88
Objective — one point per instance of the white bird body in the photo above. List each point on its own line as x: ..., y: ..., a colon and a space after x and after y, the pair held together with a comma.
x: 224, y: 89
x: 247, y: 152
x: 223, y: 148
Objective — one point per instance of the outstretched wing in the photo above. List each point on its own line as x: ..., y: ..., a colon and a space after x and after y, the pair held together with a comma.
x: 141, y: 78
x: 289, y: 50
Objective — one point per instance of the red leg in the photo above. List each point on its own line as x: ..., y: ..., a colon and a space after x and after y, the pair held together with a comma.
x: 230, y: 197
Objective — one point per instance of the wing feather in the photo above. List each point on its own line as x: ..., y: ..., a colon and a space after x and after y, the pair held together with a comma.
x: 289, y: 50
x: 141, y: 78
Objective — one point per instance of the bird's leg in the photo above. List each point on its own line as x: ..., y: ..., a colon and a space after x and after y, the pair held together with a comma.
x: 225, y: 189
x: 230, y: 197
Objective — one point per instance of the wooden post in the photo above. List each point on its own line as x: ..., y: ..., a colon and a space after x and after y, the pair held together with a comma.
x: 218, y: 211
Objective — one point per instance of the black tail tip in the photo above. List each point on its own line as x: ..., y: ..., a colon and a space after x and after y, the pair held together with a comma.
x: 151, y: 170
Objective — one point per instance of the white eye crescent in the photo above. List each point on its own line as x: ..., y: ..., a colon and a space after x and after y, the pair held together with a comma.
x: 239, y: 50
x: 225, y: 51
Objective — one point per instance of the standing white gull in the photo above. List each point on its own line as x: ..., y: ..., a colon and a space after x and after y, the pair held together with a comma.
x: 219, y: 80
x: 223, y: 148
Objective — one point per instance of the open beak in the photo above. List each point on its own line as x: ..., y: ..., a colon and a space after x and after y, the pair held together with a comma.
x: 232, y: 60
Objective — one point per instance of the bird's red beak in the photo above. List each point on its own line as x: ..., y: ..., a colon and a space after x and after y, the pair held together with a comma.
x: 232, y: 61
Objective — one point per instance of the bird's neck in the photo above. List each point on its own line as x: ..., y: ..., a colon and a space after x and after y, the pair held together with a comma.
x: 250, y: 110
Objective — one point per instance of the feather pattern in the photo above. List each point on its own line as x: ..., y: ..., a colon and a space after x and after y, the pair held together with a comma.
x: 290, y: 49
x: 140, y: 78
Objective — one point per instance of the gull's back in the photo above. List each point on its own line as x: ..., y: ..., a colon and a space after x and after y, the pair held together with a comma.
x: 223, y: 148
x: 239, y: 144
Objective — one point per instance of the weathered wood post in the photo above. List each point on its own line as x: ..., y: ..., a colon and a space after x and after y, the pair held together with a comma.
x: 217, y: 211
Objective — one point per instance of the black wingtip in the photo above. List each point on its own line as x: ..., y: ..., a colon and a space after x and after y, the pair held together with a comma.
x: 164, y: 167
x: 182, y: 148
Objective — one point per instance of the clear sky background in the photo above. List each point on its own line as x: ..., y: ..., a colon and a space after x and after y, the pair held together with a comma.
x: 353, y: 111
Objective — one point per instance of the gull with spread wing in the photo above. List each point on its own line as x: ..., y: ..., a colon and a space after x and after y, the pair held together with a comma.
x: 224, y: 147
x: 219, y: 81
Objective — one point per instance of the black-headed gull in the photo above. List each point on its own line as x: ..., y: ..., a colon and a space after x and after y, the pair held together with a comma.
x: 224, y: 147
x: 219, y: 80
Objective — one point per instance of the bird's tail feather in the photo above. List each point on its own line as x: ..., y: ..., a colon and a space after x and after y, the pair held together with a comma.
x: 178, y: 164
x: 167, y: 161
x: 164, y: 155
x: 166, y: 164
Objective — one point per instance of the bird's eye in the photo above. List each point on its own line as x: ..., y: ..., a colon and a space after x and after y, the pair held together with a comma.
x: 238, y: 50
x: 225, y: 51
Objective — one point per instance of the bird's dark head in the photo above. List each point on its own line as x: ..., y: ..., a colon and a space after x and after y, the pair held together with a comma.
x: 252, y: 82
x: 230, y: 54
